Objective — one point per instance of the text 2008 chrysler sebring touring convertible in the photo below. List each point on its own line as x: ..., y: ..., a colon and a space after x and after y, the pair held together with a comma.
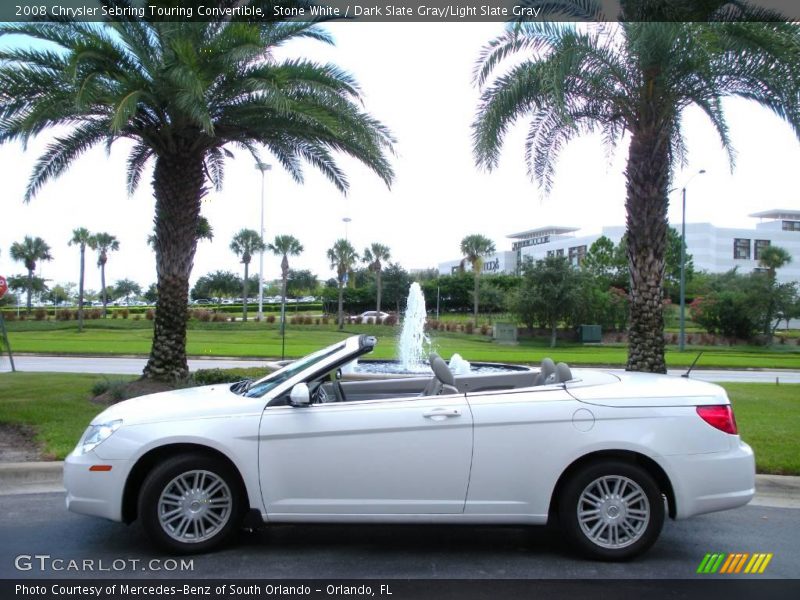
x: 606, y: 456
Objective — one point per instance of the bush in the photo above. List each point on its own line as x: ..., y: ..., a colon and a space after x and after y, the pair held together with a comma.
x: 317, y: 321
x: 469, y: 327
x: 124, y: 313
x: 10, y: 316
x: 485, y: 329
x: 40, y: 314
x: 212, y: 376
x: 150, y: 314
x: 391, y: 320
x: 114, y: 314
x: 137, y: 317
x: 115, y: 388
x: 325, y: 320
x: 219, y: 318
x: 270, y: 318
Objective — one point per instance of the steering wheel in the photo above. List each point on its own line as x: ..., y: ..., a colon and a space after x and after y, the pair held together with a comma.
x: 338, y: 391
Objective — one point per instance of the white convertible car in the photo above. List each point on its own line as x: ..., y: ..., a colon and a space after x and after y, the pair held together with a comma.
x: 607, y: 456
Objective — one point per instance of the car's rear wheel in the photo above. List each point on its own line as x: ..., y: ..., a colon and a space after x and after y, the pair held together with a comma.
x: 611, y: 510
x: 190, y: 503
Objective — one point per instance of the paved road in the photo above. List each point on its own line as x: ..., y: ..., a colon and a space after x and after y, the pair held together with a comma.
x: 134, y: 366
x: 39, y: 524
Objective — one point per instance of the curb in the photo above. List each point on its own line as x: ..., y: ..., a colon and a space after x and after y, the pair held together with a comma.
x: 38, y: 477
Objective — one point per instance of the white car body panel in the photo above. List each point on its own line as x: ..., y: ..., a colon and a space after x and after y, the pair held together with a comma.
x: 491, y: 457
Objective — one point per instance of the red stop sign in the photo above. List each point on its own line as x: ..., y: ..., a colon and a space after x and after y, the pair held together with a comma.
x: 3, y: 286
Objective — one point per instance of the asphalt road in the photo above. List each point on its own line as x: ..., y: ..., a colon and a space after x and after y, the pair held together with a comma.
x: 134, y: 366
x: 38, y: 524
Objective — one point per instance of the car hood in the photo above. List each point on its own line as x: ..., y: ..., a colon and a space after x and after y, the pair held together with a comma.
x: 648, y: 389
x: 190, y: 403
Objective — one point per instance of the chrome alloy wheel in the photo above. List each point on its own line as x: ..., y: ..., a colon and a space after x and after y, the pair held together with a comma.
x: 613, y: 511
x: 194, y: 506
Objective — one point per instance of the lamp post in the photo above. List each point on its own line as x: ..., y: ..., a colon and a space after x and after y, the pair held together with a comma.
x: 682, y: 335
x: 263, y: 167
x: 346, y: 221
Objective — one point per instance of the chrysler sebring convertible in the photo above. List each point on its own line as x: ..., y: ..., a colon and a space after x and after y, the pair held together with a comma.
x: 605, y: 456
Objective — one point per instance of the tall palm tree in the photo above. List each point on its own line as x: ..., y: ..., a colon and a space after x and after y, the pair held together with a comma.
x: 244, y: 244
x: 772, y: 258
x: 342, y: 257
x: 285, y: 246
x: 632, y: 81
x: 474, y: 247
x: 103, y: 243
x: 81, y: 238
x: 375, y: 256
x: 204, y: 232
x: 30, y: 251
x: 183, y: 94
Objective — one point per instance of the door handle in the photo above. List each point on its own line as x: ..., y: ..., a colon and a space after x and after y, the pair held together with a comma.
x: 439, y: 414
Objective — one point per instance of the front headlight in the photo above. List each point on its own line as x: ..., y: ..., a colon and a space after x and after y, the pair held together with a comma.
x: 96, y: 435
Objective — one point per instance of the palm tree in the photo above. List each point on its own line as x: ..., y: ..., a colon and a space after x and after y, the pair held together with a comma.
x: 182, y: 94
x: 204, y: 232
x: 285, y: 246
x: 244, y: 244
x: 375, y: 256
x: 29, y: 252
x: 103, y: 243
x: 772, y: 258
x: 632, y: 81
x: 342, y: 257
x: 81, y: 238
x: 474, y: 247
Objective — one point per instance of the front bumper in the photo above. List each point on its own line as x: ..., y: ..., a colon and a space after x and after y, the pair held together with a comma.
x: 96, y: 493
x: 714, y: 481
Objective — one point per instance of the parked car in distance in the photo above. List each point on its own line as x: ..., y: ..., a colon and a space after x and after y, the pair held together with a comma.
x: 371, y: 314
x: 202, y: 302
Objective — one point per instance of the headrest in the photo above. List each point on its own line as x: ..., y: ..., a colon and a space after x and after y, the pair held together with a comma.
x: 441, y: 370
x: 548, y: 367
x: 563, y: 373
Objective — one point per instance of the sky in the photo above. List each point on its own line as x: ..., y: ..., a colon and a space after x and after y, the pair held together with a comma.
x: 416, y: 78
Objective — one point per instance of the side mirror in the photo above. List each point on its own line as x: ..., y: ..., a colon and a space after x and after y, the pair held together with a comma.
x: 300, y: 395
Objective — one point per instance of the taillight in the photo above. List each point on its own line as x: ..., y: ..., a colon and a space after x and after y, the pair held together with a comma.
x: 720, y: 416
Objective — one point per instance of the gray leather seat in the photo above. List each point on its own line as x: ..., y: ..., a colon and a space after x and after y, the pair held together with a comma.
x: 547, y: 372
x: 443, y: 380
x: 563, y: 374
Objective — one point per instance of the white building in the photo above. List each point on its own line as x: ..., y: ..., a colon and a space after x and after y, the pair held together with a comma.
x: 713, y: 249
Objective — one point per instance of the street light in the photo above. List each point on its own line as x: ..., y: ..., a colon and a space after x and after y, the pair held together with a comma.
x: 263, y: 167
x: 682, y: 335
x: 346, y: 221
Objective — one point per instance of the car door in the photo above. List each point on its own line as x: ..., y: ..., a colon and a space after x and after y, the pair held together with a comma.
x: 390, y: 456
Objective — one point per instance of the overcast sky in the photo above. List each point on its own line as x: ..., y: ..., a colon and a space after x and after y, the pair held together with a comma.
x: 416, y: 79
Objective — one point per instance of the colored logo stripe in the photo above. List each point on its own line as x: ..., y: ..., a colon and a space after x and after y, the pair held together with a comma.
x: 734, y: 563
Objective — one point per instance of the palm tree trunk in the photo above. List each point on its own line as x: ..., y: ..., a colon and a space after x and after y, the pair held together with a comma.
x: 553, y: 333
x: 30, y: 289
x: 647, y: 177
x: 244, y: 291
x: 341, y: 304
x: 378, y: 303
x: 103, y: 286
x: 283, y: 305
x: 178, y: 187
x: 475, y: 300
x: 80, y: 289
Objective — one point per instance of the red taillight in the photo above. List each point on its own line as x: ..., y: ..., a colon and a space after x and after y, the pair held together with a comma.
x: 720, y: 417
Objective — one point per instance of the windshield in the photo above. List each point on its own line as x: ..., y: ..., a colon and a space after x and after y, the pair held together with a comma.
x: 262, y: 386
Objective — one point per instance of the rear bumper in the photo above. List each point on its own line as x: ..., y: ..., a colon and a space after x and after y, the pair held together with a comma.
x: 96, y: 493
x: 713, y: 482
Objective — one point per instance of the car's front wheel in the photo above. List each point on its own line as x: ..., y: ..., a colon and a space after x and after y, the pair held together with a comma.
x: 611, y: 510
x: 190, y: 503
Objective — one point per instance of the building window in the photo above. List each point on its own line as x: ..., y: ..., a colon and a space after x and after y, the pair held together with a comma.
x: 741, y: 249
x: 758, y: 246
x: 550, y: 254
x: 560, y: 252
x: 791, y: 225
x: 576, y: 255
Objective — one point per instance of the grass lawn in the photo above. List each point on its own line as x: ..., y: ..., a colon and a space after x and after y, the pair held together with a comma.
x: 57, y: 407
x: 261, y: 340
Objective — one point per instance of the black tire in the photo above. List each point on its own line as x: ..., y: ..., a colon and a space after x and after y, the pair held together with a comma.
x: 612, y: 511
x: 206, y: 509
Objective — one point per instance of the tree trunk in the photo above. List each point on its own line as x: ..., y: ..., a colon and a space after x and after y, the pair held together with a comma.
x: 475, y: 300
x: 80, y: 289
x: 30, y: 290
x: 244, y: 292
x: 378, y: 300
x: 647, y: 177
x: 283, y: 305
x: 103, y: 287
x: 341, y: 303
x: 178, y: 187
x: 553, y: 333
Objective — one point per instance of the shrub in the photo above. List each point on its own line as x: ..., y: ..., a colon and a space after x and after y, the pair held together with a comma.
x: 358, y: 320
x: 325, y: 320
x: 10, y: 316
x: 317, y: 321
x: 485, y: 329
x: 40, y: 314
x: 137, y: 317
x: 308, y: 320
x: 391, y: 320
x: 370, y: 320
x: 270, y: 318
x: 219, y: 318
x: 124, y: 313
x: 115, y: 388
x: 150, y: 314
x: 233, y: 319
x: 469, y: 327
x: 114, y: 314
x: 212, y: 376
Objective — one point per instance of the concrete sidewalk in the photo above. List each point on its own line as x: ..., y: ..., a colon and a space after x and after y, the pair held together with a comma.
x: 778, y: 491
